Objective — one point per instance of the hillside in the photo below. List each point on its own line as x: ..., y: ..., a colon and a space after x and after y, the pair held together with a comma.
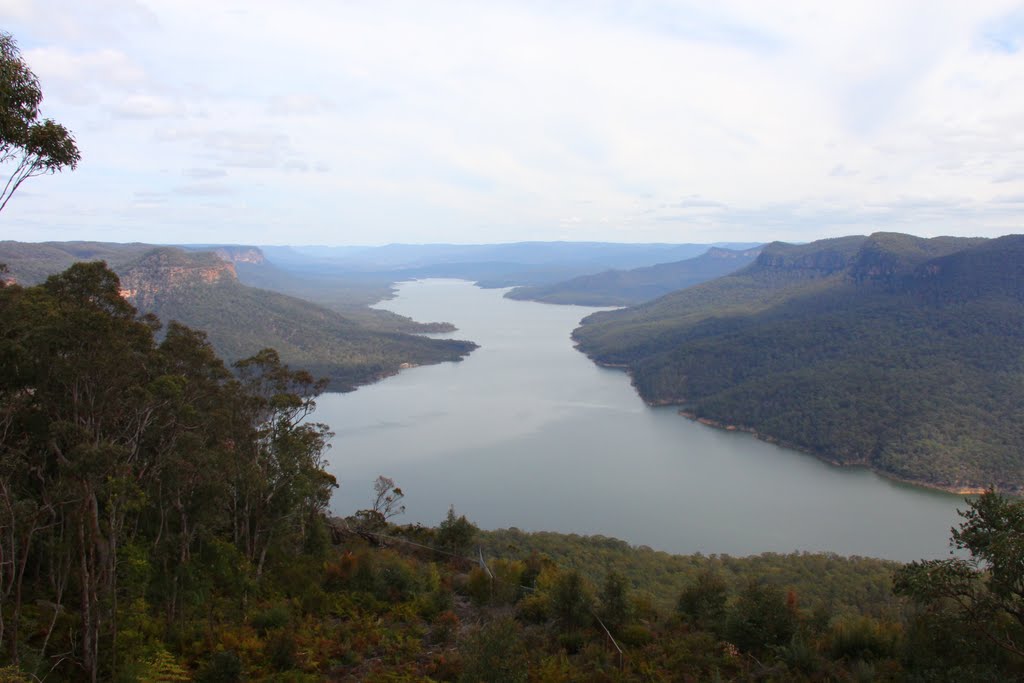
x: 894, y: 352
x: 32, y: 262
x: 202, y: 291
x: 627, y: 287
x: 204, y: 550
x: 348, y: 294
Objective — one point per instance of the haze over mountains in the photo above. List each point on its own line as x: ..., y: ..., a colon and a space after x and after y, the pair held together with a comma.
x: 900, y: 353
x: 625, y: 287
x: 490, y: 265
x: 896, y: 352
x: 201, y: 289
x: 312, y: 303
x: 891, y: 351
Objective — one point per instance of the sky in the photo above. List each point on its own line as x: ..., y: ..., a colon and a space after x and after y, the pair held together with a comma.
x: 341, y: 122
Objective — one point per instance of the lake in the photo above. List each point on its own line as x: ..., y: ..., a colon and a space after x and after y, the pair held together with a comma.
x: 527, y: 432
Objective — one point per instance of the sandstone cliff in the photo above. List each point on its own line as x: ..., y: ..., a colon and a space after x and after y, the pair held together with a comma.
x: 168, y: 269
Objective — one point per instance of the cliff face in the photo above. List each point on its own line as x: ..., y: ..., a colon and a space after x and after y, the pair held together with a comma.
x: 236, y: 254
x: 818, y: 259
x: 166, y: 270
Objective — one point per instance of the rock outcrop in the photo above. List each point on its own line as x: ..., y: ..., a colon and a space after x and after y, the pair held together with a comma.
x: 166, y: 269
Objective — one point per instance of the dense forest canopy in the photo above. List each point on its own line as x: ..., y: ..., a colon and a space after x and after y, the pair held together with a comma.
x: 900, y: 353
x: 135, y: 475
x: 342, y: 340
x: 162, y: 518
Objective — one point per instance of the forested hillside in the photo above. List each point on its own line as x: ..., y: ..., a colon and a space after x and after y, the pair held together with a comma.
x: 240, y: 320
x: 201, y: 289
x: 895, y: 352
x: 162, y: 519
x: 29, y: 263
x: 626, y: 287
x: 350, y: 294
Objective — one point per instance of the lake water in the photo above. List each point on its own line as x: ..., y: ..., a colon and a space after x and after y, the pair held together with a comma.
x: 527, y: 432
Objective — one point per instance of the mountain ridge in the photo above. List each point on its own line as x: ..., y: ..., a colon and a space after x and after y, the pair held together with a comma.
x: 202, y: 290
x: 887, y: 351
x: 626, y: 287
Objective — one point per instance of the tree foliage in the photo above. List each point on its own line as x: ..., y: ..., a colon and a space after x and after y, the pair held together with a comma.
x: 132, y: 471
x: 891, y: 351
x: 34, y: 147
x: 986, y: 590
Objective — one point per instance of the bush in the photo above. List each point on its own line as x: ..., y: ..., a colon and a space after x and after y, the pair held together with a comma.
x: 274, y: 617
x: 446, y: 627
x: 494, y: 653
x: 760, y: 618
x: 534, y: 609
x: 634, y: 635
x: 223, y: 667
x: 479, y: 587
x: 281, y: 651
x: 863, y: 638
x: 571, y: 642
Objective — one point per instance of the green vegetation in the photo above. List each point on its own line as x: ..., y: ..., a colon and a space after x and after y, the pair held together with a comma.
x: 241, y: 320
x: 626, y: 287
x: 29, y: 263
x: 31, y: 146
x: 895, y: 352
x: 202, y: 291
x: 140, y: 484
x: 349, y: 294
x: 162, y: 519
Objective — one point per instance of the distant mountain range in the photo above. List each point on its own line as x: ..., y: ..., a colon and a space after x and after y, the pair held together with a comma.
x: 489, y: 265
x: 201, y: 290
x: 895, y: 352
x: 626, y: 287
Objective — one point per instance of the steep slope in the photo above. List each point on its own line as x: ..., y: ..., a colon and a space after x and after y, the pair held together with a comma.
x: 891, y: 351
x: 202, y: 291
x: 32, y: 262
x: 626, y: 287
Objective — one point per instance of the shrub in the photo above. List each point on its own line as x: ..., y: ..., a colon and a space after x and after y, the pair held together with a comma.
x: 274, y: 617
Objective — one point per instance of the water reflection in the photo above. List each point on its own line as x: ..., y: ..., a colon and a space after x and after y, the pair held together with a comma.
x: 527, y: 432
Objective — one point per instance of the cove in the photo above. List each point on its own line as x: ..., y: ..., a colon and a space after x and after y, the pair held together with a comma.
x: 527, y: 432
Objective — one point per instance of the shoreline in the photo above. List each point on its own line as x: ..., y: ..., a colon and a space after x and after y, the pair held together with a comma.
x: 956, y: 490
x: 767, y: 438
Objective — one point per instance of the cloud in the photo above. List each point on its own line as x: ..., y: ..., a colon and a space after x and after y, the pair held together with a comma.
x: 81, y: 77
x: 204, y: 190
x: 148, y: 107
x: 298, y: 105
x: 695, y: 202
x: 234, y: 148
x: 205, y: 173
x: 448, y: 122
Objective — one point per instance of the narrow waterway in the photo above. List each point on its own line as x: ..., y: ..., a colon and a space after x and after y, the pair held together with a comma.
x: 527, y: 432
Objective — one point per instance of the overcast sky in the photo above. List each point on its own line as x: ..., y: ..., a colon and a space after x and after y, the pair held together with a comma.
x: 331, y: 122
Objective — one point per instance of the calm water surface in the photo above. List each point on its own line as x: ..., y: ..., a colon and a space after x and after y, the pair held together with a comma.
x: 527, y: 432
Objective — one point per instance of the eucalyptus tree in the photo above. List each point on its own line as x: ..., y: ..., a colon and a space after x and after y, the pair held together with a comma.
x: 29, y: 146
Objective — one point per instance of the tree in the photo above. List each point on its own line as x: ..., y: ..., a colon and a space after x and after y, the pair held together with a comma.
x: 615, y: 606
x: 571, y: 600
x: 34, y: 147
x: 386, y: 504
x: 456, y: 533
x: 985, y: 592
x: 760, y: 618
x: 703, y: 602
